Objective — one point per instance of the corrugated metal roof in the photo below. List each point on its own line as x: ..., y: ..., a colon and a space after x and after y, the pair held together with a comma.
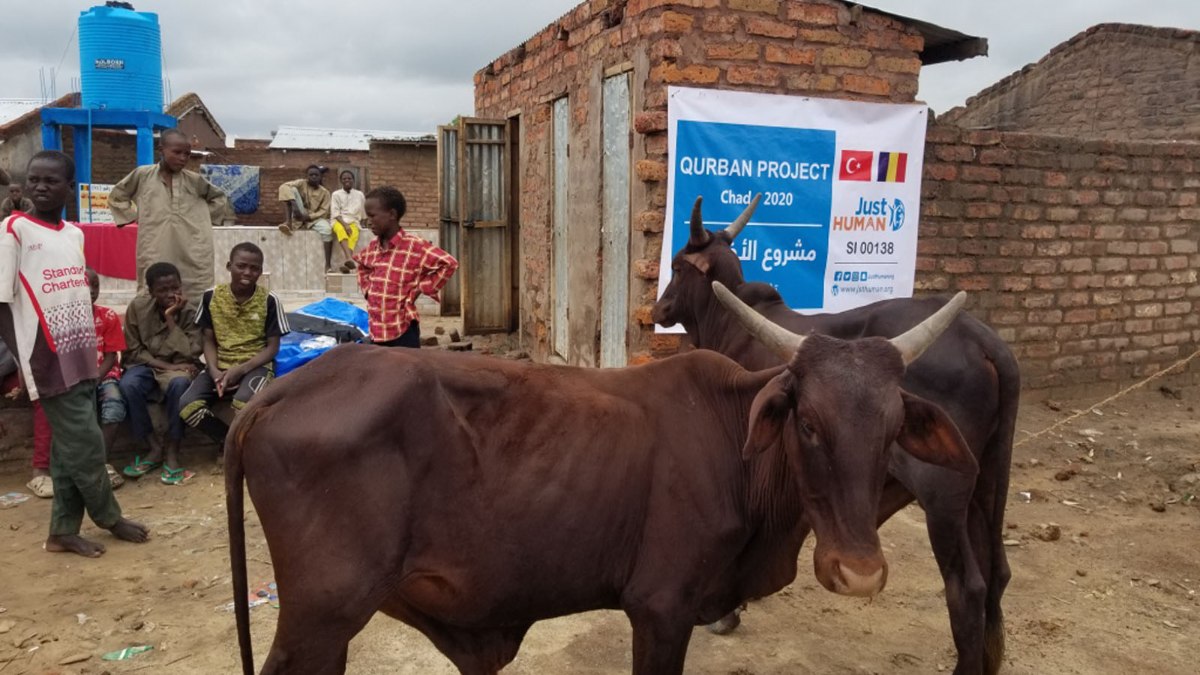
x: 941, y: 44
x: 318, y: 138
x: 12, y: 108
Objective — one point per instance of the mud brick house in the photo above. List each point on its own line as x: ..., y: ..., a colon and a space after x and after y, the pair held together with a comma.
x: 114, y: 153
x: 585, y: 100
x: 1114, y: 81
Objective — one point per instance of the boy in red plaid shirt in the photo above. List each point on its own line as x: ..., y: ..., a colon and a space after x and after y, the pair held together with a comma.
x: 396, y: 268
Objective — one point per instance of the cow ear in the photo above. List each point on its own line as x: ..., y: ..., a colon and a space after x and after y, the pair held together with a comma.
x: 931, y: 436
x: 698, y: 261
x: 768, y: 414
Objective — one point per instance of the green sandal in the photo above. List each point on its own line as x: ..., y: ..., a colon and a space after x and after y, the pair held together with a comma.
x: 179, y: 476
x: 140, y: 468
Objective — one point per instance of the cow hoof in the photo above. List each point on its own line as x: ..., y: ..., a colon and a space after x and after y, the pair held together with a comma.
x: 726, y: 625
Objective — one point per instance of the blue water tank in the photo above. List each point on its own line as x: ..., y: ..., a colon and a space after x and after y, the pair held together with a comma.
x: 120, y: 59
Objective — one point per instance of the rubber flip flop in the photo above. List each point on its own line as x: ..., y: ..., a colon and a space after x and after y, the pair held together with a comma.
x: 179, y: 476
x: 140, y: 468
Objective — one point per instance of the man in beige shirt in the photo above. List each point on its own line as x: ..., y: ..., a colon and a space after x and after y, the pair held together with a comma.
x: 306, y: 203
x: 175, y: 210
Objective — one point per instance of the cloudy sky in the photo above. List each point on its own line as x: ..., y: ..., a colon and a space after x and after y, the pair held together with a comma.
x: 408, y: 64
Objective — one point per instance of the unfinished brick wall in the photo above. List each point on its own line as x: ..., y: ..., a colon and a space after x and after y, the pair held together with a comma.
x: 114, y: 154
x: 411, y: 168
x: 816, y: 48
x: 1081, y: 254
x: 278, y: 167
x: 1112, y: 81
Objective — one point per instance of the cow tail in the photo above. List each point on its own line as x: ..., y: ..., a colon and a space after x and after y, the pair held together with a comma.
x: 234, y: 504
x: 997, y: 463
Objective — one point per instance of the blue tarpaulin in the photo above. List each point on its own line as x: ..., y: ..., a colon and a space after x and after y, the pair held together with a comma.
x: 298, y: 348
x: 338, y: 310
x: 238, y: 181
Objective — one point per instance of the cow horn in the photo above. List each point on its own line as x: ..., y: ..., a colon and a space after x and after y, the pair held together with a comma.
x: 699, y: 235
x: 917, y: 339
x: 735, y: 228
x: 778, y: 339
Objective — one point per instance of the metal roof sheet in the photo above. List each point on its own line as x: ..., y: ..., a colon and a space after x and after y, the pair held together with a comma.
x: 319, y: 138
x: 12, y: 108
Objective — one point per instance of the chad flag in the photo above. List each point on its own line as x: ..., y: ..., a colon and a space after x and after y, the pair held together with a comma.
x: 891, y: 167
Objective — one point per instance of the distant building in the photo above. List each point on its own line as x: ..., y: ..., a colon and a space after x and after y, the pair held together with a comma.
x: 1112, y: 81
x: 405, y: 159
x: 21, y: 131
x: 114, y: 153
x: 197, y: 122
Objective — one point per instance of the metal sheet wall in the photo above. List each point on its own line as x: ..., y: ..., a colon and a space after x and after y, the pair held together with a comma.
x: 559, y: 256
x: 485, y: 161
x: 614, y: 270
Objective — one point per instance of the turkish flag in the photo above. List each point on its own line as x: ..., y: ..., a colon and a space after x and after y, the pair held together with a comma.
x: 856, y: 165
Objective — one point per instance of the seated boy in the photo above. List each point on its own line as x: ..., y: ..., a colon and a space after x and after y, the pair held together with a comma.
x: 241, y: 324
x: 110, y: 342
x: 161, y: 358
x: 347, y: 208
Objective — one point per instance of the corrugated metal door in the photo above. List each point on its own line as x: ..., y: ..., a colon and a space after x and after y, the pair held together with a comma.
x: 478, y: 204
x: 448, y: 212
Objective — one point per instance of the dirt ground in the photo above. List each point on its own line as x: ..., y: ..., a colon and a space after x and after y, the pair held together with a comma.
x: 1102, y: 533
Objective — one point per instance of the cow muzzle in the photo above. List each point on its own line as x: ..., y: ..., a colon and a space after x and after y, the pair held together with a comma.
x: 862, y: 577
x: 662, y: 311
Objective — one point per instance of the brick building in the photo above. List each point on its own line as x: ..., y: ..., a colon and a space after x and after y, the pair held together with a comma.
x: 583, y: 288
x: 21, y: 132
x: 1082, y: 252
x: 1113, y: 81
x: 407, y: 160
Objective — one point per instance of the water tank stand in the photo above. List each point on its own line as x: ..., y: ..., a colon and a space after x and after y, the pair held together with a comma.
x: 144, y: 122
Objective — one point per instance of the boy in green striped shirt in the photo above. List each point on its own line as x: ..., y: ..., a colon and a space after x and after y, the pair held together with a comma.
x: 242, y: 324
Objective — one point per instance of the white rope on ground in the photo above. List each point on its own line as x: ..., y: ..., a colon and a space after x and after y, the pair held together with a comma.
x: 1119, y: 394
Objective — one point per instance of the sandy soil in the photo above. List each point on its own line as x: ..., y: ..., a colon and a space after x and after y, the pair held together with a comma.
x: 1115, y: 592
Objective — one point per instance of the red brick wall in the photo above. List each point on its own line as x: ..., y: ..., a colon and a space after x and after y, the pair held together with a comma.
x: 778, y: 46
x: 413, y: 170
x: 1081, y: 254
x: 1112, y: 81
x: 278, y: 167
x: 114, y: 154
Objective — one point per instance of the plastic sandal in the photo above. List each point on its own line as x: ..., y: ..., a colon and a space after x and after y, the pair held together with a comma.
x: 41, y: 486
x: 115, y: 479
x: 179, y: 476
x: 140, y: 468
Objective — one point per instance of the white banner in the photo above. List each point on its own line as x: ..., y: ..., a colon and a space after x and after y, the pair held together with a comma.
x: 841, y: 184
x: 93, y: 203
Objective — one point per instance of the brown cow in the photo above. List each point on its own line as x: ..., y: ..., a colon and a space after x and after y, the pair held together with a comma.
x: 970, y: 373
x: 471, y: 497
